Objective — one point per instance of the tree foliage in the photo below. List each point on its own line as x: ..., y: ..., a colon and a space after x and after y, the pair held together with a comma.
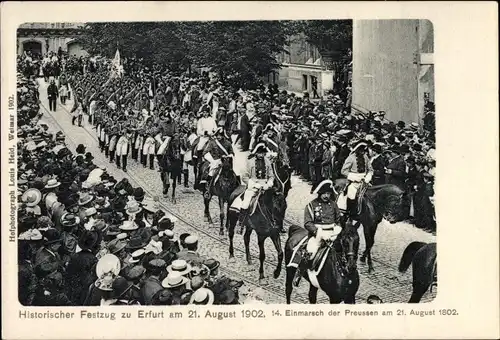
x: 239, y: 51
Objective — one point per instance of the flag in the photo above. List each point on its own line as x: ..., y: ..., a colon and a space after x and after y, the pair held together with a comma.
x: 116, y: 67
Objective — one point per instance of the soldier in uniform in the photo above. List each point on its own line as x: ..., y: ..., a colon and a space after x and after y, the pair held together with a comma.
x: 260, y: 177
x: 322, y: 221
x: 216, y: 148
x: 358, y: 170
x: 122, y: 149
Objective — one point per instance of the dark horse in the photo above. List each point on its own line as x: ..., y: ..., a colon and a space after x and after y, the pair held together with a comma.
x: 267, y: 221
x: 380, y: 201
x: 339, y: 277
x: 171, y: 166
x: 282, y: 171
x: 423, y: 258
x: 224, y: 184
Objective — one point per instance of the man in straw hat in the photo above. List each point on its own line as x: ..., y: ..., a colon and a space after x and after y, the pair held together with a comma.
x: 322, y: 221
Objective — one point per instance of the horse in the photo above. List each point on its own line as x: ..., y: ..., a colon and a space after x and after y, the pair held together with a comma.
x: 225, y: 182
x: 422, y: 256
x: 380, y: 201
x: 267, y: 221
x: 171, y: 166
x: 282, y: 171
x: 339, y: 277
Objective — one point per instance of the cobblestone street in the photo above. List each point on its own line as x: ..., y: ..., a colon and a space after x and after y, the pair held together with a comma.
x: 390, y: 240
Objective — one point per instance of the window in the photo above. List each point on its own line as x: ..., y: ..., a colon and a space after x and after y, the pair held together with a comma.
x: 304, y: 82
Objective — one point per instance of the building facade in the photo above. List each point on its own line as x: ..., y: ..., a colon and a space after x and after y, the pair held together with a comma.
x: 302, y: 69
x: 393, y: 67
x: 40, y: 38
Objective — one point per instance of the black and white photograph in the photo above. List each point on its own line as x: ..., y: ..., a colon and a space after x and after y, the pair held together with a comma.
x: 250, y: 170
x: 226, y: 162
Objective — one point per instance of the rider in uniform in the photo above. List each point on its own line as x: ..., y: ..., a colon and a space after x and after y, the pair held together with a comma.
x: 358, y: 170
x: 260, y: 176
x: 205, y: 128
x: 216, y: 148
x: 322, y: 221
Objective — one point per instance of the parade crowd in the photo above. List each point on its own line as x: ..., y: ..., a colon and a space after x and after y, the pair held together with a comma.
x: 86, y: 239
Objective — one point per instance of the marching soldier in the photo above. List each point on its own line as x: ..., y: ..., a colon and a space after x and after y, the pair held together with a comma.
x: 122, y: 149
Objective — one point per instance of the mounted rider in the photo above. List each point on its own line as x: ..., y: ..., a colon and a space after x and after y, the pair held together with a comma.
x: 260, y: 177
x: 358, y: 170
x: 205, y: 128
x: 322, y: 221
x: 217, y: 147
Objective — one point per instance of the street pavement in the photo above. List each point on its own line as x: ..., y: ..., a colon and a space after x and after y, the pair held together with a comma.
x: 390, y: 240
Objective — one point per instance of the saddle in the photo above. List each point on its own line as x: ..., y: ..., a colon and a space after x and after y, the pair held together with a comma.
x: 236, y: 199
x: 359, y: 197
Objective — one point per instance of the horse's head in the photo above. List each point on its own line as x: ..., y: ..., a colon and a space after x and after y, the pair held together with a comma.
x: 227, y: 163
x: 349, y: 240
x: 388, y: 199
x: 278, y: 205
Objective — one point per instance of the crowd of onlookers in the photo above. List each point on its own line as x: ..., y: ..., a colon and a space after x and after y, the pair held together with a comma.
x: 87, y: 239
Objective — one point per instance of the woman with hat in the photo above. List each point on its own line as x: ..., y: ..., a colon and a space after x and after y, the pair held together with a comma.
x: 358, y: 170
x: 107, y: 269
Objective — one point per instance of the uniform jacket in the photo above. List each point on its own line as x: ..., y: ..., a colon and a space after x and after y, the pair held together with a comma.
x: 122, y: 146
x: 319, y: 212
x: 216, y: 151
x: 259, y: 171
x: 351, y: 166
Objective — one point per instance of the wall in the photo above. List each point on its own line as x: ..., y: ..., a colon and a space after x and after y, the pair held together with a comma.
x: 384, y: 74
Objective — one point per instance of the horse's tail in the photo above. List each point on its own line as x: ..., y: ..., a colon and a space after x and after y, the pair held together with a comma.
x: 408, y: 255
x: 293, y: 228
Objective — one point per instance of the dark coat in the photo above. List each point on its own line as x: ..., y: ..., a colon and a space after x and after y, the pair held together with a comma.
x: 27, y: 283
x: 378, y: 165
x: 80, y: 274
x: 149, y: 288
x: 52, y: 91
x: 398, y: 173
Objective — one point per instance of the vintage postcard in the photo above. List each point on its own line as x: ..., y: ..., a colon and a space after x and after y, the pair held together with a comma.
x: 224, y: 169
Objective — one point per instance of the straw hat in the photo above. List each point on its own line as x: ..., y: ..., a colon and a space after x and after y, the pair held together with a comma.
x: 174, y: 280
x: 31, y: 197
x: 85, y: 198
x: 179, y: 266
x: 202, y: 296
x: 129, y: 226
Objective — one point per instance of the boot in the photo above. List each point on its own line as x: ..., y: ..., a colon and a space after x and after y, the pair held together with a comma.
x: 151, y: 162
x: 165, y: 189
x: 241, y: 220
x: 351, y: 207
x: 302, y: 269
x: 118, y: 162
x: 124, y: 163
x: 186, y: 177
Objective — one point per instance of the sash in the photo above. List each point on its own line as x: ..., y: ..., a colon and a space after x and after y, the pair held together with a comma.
x: 221, y: 147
